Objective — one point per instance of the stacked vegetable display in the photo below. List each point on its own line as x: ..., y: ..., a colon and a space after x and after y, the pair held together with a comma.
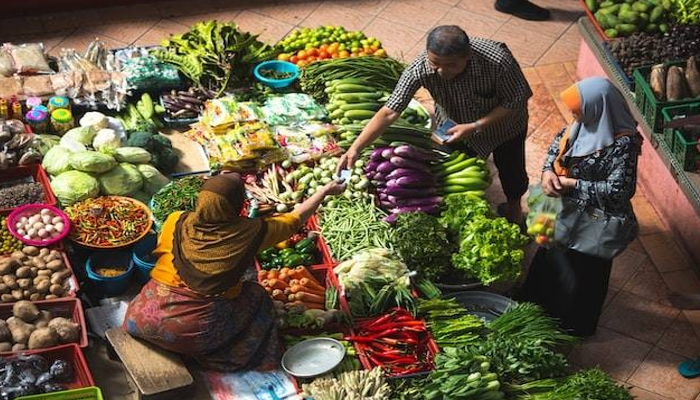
x: 306, y: 45
x: 404, y: 179
x: 459, y: 173
x: 674, y: 83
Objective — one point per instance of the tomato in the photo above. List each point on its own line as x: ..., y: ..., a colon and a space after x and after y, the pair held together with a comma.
x: 335, y: 56
x: 323, y: 47
x: 361, y: 54
x: 344, y: 54
x: 311, y: 59
x: 284, y: 57
x: 324, y: 55
x: 302, y: 55
x: 302, y: 63
x: 541, y: 240
x: 293, y: 59
x: 312, y: 52
x: 374, y: 47
x: 368, y: 50
x: 333, y: 48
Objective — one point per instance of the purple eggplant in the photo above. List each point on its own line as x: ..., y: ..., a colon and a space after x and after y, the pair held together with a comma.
x: 414, y: 202
x: 399, y: 172
x: 391, y: 219
x: 409, y: 193
x: 410, y: 152
x: 372, y: 166
x: 415, y: 182
x: 410, y: 164
x: 384, y: 196
x: 387, y: 153
x: 376, y: 154
x: 386, y: 167
x: 370, y: 174
x: 380, y: 177
x: 426, y: 209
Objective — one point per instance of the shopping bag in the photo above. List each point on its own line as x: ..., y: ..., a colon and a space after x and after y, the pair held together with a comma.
x: 541, y: 219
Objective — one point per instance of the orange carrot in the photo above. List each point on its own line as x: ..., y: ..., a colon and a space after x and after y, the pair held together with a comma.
x: 302, y: 272
x: 278, y: 295
x: 283, y: 277
x: 276, y: 284
x: 293, y: 282
x: 300, y: 288
x: 268, y: 289
x: 312, y: 285
x: 262, y: 275
x: 286, y: 271
x: 273, y: 273
x: 306, y: 296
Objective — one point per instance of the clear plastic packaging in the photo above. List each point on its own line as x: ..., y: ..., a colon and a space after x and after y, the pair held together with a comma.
x: 542, y: 216
x: 29, y: 58
x: 7, y: 67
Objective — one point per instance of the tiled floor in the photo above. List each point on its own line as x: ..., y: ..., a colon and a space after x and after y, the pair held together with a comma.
x: 641, y: 338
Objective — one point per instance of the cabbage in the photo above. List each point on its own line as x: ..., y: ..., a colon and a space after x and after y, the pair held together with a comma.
x: 73, y: 186
x: 134, y: 155
x: 153, y: 180
x: 71, y: 144
x: 83, y: 134
x: 106, y: 139
x: 141, y: 196
x: 57, y: 160
x: 94, y: 119
x: 92, y: 161
x: 121, y: 180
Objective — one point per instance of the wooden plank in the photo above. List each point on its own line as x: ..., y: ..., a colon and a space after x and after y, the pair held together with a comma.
x: 153, y: 369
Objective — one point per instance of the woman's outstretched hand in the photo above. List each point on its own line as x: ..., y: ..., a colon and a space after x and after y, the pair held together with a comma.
x: 333, y: 188
x: 551, y: 184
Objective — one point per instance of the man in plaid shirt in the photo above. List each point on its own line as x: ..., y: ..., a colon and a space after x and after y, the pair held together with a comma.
x: 478, y: 84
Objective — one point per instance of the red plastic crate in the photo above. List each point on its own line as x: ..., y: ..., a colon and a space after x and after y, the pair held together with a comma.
x: 72, y: 281
x: 594, y: 21
x: 311, y: 225
x: 433, y: 349
x: 37, y: 174
x: 70, y: 308
x: 74, y: 356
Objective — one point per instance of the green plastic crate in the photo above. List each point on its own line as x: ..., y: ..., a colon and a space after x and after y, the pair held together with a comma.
x: 647, y: 103
x: 88, y: 393
x: 686, y: 151
x: 669, y: 113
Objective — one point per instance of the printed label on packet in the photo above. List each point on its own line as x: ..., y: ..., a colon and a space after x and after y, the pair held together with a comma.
x: 441, y: 131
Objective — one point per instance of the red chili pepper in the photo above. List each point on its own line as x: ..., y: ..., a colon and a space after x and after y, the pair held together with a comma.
x: 378, y: 321
x: 360, y: 339
x: 414, y: 370
x: 389, y: 325
x: 374, y: 361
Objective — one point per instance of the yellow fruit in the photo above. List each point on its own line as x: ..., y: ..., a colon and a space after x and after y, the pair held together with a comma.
x: 538, y: 228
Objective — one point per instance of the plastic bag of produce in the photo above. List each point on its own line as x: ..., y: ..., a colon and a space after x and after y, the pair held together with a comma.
x: 106, y: 139
x: 153, y: 180
x: 73, y: 186
x: 82, y: 134
x: 29, y: 58
x: 134, y: 155
x: 57, y: 160
x: 92, y: 161
x: 6, y: 67
x: 542, y: 216
x: 121, y: 180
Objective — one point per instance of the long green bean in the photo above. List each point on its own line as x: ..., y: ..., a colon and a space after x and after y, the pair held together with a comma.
x: 353, y: 225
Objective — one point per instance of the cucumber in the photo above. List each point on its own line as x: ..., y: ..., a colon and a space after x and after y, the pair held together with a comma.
x: 332, y: 107
x: 361, y: 106
x: 458, y: 167
x: 358, y: 114
x: 358, y: 97
x: 353, y: 88
x: 355, y: 81
x: 469, y: 183
x: 337, y: 114
x: 345, y: 121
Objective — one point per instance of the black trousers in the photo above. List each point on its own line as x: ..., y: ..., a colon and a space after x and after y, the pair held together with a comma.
x: 509, y: 158
x: 570, y: 286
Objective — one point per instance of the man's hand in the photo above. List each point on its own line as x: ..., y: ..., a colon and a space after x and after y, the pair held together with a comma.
x: 333, y: 188
x: 347, y: 160
x: 551, y: 185
x: 459, y: 132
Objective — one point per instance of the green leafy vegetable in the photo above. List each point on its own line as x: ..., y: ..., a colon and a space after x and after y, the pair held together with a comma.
x: 423, y: 244
x: 529, y: 321
x: 450, y: 323
x: 461, y: 374
x: 461, y: 209
x: 591, y: 384
x: 490, y: 250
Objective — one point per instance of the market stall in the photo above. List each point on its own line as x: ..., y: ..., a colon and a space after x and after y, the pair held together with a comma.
x: 657, y: 72
x: 91, y: 171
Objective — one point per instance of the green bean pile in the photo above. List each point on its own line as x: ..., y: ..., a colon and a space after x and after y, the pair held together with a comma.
x: 351, y: 225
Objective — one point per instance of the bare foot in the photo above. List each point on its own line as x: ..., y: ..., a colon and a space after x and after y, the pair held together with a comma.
x: 685, y: 301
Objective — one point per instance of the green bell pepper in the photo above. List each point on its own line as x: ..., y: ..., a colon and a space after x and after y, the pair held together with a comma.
x: 267, y: 254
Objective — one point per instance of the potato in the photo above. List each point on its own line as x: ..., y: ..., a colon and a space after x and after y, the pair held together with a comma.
x: 35, y: 297
x: 24, y: 283
x: 67, y: 330
x: 17, y: 294
x: 55, y: 255
x: 55, y: 265
x: 43, y: 319
x: 31, y: 251
x: 43, y: 338
x: 20, y: 330
x: 33, y: 271
x: 8, y: 266
x: 45, y: 272
x: 6, y: 298
x: 4, y: 289
x: 56, y: 290
x: 44, y: 252
x: 10, y: 281
x: 50, y: 297
x: 43, y: 286
x: 59, y: 277
x: 19, y: 347
x: 18, y: 256
x: 26, y: 293
x: 26, y: 311
x: 38, y: 262
x: 5, y: 334
x: 5, y: 347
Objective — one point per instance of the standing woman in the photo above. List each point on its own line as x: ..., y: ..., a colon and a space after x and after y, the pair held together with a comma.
x: 593, y: 163
x: 197, y: 302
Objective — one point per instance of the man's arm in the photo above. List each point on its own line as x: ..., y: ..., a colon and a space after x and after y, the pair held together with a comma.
x: 461, y: 131
x: 375, y: 127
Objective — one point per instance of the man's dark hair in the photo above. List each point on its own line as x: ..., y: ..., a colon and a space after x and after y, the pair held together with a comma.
x: 448, y: 40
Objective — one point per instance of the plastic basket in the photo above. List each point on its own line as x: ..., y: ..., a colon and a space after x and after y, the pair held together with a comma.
x: 88, y: 393
x: 594, y: 21
x: 669, y: 113
x: 29, y: 173
x: 110, y: 286
x: 73, y: 285
x: 69, y: 308
x: 683, y: 147
x: 74, y: 356
x: 647, y: 103
x: 31, y: 209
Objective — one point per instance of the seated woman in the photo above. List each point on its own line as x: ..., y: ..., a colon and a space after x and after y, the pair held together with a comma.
x: 594, y: 162
x: 197, y: 302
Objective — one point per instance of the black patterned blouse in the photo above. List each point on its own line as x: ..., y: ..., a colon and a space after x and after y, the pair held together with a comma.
x: 607, y: 177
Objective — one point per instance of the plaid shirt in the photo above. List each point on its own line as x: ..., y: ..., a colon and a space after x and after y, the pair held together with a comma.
x: 492, y: 78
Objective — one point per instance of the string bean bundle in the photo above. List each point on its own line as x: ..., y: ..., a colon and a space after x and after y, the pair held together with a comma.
x: 351, y: 225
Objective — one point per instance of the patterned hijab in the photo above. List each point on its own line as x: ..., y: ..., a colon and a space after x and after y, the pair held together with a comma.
x: 604, y: 115
x: 214, y: 244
